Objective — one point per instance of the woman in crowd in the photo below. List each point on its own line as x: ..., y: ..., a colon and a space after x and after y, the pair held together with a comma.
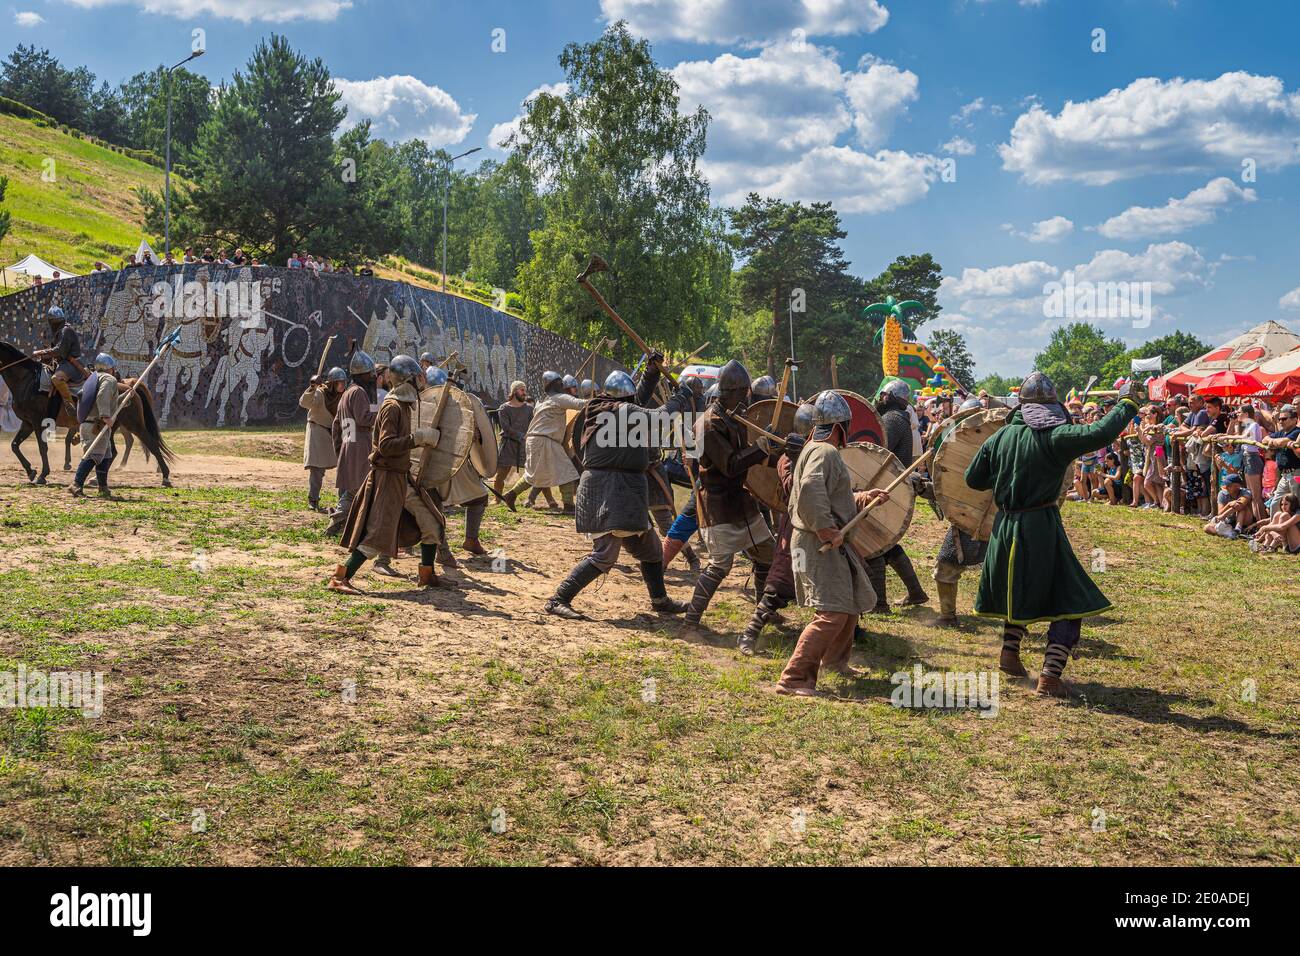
x: 1282, y: 531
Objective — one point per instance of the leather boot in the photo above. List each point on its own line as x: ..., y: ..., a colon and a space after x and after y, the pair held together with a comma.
x: 692, y: 559
x: 902, y: 565
x: 748, y: 642
x: 705, y: 588
x: 876, y: 575
x: 445, y: 557
x: 583, y: 573
x: 1053, y: 687
x: 340, y: 582
x: 760, y: 580
x: 947, y: 603
x: 652, y: 572
x: 473, y: 547
x: 1009, y: 663
x: 509, y: 498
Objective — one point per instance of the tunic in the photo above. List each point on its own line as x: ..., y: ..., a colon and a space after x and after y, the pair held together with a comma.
x: 612, y: 494
x: 318, y: 448
x: 379, y: 519
x: 353, y: 456
x: 98, y: 401
x: 780, y: 579
x: 821, y: 496
x: 66, y: 344
x: 548, y: 463
x: 1030, y: 571
x: 514, y: 421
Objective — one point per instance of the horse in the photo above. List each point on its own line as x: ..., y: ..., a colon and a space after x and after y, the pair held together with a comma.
x: 40, y: 413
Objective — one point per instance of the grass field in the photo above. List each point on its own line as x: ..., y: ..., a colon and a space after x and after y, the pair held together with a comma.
x: 87, y: 211
x: 252, y: 716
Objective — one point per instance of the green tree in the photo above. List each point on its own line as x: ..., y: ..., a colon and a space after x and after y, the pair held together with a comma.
x: 914, y: 277
x: 621, y: 165
x: 997, y: 384
x: 507, y: 211
x: 36, y: 78
x: 793, y: 261
x: 1076, y: 352
x: 4, y: 213
x: 265, y: 168
x: 144, y: 97
x: 1177, y: 349
x: 950, y: 346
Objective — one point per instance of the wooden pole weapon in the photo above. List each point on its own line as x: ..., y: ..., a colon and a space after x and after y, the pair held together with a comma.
x: 888, y: 491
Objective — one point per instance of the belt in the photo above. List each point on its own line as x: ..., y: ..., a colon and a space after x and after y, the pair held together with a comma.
x: 1019, y: 511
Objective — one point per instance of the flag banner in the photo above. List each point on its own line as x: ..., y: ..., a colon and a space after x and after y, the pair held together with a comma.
x: 1148, y: 365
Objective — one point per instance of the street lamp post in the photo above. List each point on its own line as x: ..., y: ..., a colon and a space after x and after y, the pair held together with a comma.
x: 446, y: 187
x: 167, y: 203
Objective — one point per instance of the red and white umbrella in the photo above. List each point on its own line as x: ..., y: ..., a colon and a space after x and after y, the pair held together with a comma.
x: 1229, y: 383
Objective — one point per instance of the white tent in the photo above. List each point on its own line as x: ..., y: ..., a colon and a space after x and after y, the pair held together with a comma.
x: 34, y: 265
x: 144, y: 248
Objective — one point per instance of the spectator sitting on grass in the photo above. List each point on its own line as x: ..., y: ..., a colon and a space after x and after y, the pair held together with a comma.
x: 1112, y: 486
x: 1282, y: 531
x: 1236, y: 510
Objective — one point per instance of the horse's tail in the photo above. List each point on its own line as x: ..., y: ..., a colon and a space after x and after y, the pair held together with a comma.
x: 152, y: 438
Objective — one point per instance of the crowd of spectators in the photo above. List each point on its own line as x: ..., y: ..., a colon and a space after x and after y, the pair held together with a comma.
x: 235, y: 260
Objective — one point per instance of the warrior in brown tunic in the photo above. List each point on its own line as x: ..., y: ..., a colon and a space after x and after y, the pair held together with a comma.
x: 729, y: 518
x: 390, y: 512
x: 514, y: 416
x: 321, y: 400
x: 351, y: 433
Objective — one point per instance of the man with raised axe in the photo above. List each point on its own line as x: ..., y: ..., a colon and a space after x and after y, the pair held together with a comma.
x: 513, y: 416
x: 893, y: 405
x: 1030, y: 571
x: 730, y: 522
x: 613, y: 497
x: 548, y: 463
x: 391, y: 512
x: 829, y: 575
x: 95, y: 411
x: 321, y: 400
x: 352, y: 434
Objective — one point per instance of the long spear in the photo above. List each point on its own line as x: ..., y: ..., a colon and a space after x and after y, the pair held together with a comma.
x: 168, y: 341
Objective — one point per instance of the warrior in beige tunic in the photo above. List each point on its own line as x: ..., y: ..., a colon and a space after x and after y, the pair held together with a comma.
x: 548, y: 462
x: 318, y: 456
x: 834, y: 582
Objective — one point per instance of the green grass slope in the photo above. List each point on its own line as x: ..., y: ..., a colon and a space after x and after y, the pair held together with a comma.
x: 89, y: 211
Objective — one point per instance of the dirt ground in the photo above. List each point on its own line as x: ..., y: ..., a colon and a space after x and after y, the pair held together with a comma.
x: 252, y: 716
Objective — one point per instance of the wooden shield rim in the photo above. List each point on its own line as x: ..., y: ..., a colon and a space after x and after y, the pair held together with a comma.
x: 943, y: 496
x: 767, y: 489
x: 895, y: 467
x: 483, y: 449
x: 458, y: 458
x: 880, y: 426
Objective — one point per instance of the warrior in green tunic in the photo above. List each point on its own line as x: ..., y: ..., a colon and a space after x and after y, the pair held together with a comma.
x: 1030, y: 571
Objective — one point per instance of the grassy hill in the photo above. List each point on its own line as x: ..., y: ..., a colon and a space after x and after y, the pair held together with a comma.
x: 88, y: 212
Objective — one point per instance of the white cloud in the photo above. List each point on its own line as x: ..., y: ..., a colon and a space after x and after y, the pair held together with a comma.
x: 999, y: 282
x: 245, y: 11
x: 502, y: 132
x: 778, y: 118
x: 1197, y: 208
x: 1159, y: 126
x: 28, y: 18
x: 402, y: 107
x: 959, y: 146
x: 1291, y: 300
x: 1045, y: 230
x: 735, y: 21
x: 963, y: 116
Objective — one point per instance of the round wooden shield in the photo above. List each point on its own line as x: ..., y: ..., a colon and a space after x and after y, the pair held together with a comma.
x: 884, y: 526
x: 571, y: 416
x: 483, y: 453
x: 762, y: 480
x: 970, y: 510
x: 435, y: 465
x: 864, y: 423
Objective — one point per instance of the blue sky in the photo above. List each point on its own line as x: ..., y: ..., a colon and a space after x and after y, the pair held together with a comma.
x: 1122, y: 165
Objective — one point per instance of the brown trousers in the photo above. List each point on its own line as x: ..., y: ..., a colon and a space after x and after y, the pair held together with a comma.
x: 825, y: 643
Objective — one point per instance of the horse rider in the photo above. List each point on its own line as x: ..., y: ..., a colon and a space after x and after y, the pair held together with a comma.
x: 65, y: 352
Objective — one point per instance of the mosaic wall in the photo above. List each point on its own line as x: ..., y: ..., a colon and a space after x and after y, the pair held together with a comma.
x: 251, y: 338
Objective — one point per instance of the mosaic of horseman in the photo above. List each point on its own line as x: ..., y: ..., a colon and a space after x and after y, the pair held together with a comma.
x: 250, y: 344
x: 200, y: 325
x: 382, y: 341
x: 129, y: 329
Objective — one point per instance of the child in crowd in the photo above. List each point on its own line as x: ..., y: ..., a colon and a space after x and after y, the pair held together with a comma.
x: 1282, y: 531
